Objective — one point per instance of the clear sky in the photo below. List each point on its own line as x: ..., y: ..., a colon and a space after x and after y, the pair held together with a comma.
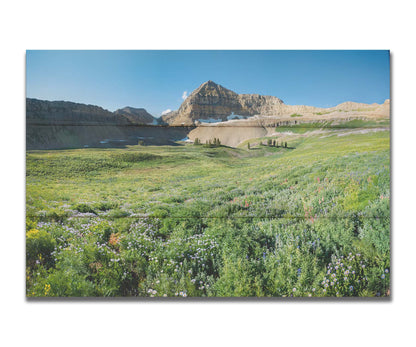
x: 158, y: 80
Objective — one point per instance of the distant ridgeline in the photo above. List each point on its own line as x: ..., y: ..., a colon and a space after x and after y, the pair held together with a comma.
x: 40, y: 112
x: 62, y: 124
x: 210, y: 111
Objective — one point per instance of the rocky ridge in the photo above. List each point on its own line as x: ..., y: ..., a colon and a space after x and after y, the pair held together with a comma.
x: 70, y: 113
x: 213, y: 103
x: 136, y: 115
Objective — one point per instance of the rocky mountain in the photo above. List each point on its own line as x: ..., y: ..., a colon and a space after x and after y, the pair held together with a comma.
x: 210, y: 111
x: 62, y: 124
x: 137, y: 115
x: 71, y: 113
x: 67, y: 113
x: 212, y: 103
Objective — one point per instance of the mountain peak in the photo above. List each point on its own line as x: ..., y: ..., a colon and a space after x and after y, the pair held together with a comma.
x: 210, y: 87
x: 135, y: 115
x: 209, y: 84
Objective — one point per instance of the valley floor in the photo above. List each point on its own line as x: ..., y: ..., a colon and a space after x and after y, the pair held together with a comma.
x: 309, y: 220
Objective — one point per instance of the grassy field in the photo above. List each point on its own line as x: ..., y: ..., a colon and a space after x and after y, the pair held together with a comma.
x: 328, y: 125
x: 310, y: 220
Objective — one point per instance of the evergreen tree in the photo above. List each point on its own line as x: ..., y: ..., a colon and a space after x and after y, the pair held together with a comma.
x: 248, y: 145
x: 285, y: 144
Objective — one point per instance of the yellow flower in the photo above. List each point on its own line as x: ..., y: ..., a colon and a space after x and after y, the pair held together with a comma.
x: 32, y: 233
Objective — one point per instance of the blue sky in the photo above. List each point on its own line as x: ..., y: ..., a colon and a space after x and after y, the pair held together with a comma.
x: 158, y: 80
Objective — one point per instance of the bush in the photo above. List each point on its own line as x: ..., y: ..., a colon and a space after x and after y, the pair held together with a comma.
x: 39, y: 246
x: 84, y: 208
x: 105, y: 206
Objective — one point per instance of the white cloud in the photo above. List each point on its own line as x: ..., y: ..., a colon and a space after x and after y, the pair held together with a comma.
x: 166, y: 111
x: 184, y: 94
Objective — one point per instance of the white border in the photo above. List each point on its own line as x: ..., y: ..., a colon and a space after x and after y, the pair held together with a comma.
x: 203, y: 25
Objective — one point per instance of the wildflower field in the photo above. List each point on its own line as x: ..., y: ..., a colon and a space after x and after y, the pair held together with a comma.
x: 310, y: 220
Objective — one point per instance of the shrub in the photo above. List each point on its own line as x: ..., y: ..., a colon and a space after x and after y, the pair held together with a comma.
x: 30, y: 224
x: 39, y: 246
x: 84, y: 208
x: 105, y: 206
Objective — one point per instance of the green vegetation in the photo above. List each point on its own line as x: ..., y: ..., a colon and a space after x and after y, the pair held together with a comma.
x: 296, y: 115
x: 213, y: 143
x: 211, y: 221
x: 353, y: 124
x: 322, y: 113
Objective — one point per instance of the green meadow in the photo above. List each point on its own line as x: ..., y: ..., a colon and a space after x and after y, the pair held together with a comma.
x: 310, y: 220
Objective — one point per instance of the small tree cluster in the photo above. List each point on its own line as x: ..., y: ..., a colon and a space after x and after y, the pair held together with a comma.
x: 273, y: 143
x: 213, y: 143
x: 197, y: 141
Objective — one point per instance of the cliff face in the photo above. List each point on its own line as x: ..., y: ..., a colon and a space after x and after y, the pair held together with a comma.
x: 136, y: 115
x: 62, y: 124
